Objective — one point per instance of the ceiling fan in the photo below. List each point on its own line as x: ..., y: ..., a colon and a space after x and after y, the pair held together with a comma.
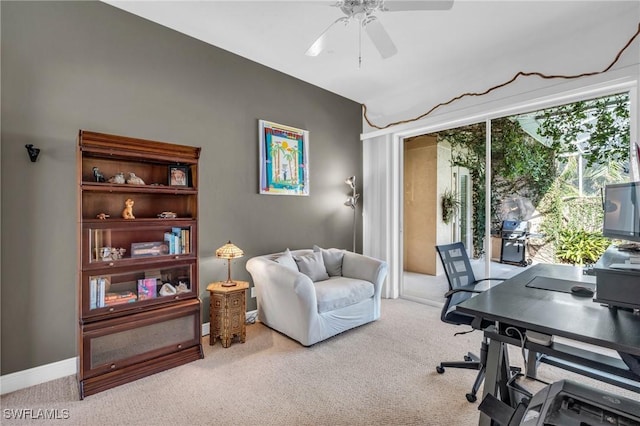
x: 363, y: 11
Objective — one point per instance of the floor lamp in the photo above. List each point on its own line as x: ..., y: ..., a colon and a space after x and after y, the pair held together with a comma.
x: 352, y: 201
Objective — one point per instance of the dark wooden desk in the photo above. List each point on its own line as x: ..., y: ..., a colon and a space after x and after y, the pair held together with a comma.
x: 554, y: 313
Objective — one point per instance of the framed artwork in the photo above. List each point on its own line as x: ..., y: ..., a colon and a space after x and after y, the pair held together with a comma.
x: 178, y: 175
x: 284, y: 159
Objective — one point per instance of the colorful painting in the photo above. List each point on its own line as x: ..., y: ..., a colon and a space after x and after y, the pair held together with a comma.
x: 284, y: 159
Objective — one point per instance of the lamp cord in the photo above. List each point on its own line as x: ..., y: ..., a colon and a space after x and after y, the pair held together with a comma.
x: 498, y: 86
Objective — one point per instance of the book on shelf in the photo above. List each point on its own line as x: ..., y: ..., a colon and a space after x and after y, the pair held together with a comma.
x: 169, y: 239
x: 177, y: 235
x: 153, y: 248
x: 93, y: 293
x: 120, y: 298
x: 177, y: 241
x: 97, y: 244
x: 102, y: 288
x: 147, y: 288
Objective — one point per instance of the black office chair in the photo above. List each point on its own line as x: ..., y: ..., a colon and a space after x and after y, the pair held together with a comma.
x: 462, y: 285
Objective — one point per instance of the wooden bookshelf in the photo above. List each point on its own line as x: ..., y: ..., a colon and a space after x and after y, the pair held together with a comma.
x: 130, y: 327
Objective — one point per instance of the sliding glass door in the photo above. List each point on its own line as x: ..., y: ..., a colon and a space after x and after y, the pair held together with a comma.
x: 529, y: 193
x: 550, y: 168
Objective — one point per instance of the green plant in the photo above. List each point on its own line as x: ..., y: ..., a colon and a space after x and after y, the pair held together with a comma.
x: 518, y: 158
x: 604, y: 120
x: 468, y: 151
x: 584, y: 213
x: 519, y: 165
x: 550, y: 207
x: 580, y: 247
x: 450, y: 205
x: 529, y: 168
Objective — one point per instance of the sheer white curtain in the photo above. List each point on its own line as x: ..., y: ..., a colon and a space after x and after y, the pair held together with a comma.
x: 380, y: 208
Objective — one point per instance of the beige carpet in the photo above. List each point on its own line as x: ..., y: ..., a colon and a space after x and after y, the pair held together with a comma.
x: 382, y: 373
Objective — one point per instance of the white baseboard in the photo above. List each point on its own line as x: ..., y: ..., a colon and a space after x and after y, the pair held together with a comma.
x: 250, y: 317
x: 34, y: 376
x: 67, y: 367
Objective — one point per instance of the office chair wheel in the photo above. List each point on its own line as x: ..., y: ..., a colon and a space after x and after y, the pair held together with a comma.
x: 440, y: 369
x: 471, y: 397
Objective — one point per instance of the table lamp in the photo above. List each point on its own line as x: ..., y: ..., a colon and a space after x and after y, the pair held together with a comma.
x: 229, y: 251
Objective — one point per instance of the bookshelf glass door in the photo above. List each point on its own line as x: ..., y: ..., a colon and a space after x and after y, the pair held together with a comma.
x: 108, y: 246
x: 109, y: 292
x: 118, y: 343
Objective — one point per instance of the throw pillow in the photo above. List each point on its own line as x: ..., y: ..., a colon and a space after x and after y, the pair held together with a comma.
x: 332, y: 259
x: 312, y: 266
x: 286, y: 259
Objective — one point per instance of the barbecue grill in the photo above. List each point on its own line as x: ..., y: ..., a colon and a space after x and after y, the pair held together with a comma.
x: 515, y: 238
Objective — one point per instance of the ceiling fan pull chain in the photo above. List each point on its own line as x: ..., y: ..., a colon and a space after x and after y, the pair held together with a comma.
x: 360, y: 44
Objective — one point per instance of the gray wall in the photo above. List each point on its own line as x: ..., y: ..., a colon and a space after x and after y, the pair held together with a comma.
x: 86, y: 65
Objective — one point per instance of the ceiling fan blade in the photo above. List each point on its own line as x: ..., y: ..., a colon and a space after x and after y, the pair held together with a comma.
x: 399, y: 6
x: 380, y: 38
x: 318, y: 46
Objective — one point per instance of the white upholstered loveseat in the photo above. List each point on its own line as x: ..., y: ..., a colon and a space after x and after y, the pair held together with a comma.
x: 310, y: 310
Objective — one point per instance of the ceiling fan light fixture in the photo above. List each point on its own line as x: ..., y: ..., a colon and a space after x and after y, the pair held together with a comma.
x: 364, y: 12
x: 359, y: 7
x: 316, y: 48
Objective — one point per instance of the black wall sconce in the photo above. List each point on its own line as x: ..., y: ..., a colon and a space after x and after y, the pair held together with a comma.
x: 33, y: 152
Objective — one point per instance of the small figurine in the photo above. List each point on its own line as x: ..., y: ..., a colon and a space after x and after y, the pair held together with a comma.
x: 102, y: 216
x: 111, y: 253
x: 168, y: 290
x: 127, y: 213
x: 118, y: 178
x: 134, y: 180
x: 182, y: 288
x: 167, y: 215
x: 105, y: 253
x: 117, y: 253
x: 97, y: 174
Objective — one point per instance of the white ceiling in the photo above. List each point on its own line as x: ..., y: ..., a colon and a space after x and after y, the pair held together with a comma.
x: 433, y: 46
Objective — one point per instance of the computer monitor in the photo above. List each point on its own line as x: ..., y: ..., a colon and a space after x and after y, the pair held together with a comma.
x: 622, y: 211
